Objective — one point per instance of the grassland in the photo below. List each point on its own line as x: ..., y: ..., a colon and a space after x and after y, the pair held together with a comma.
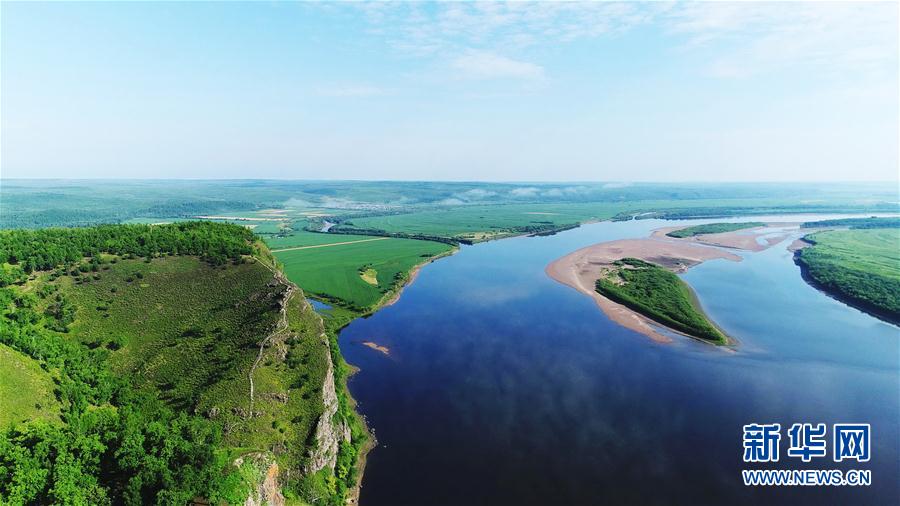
x: 334, y: 273
x: 26, y: 390
x: 659, y: 295
x: 859, y: 267
x: 713, y: 228
x: 871, y: 222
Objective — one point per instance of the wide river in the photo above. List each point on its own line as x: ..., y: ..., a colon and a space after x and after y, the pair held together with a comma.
x: 506, y: 387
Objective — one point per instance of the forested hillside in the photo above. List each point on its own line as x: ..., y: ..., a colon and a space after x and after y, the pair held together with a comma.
x: 182, y: 366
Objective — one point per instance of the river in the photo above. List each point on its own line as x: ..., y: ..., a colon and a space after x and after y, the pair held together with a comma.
x: 505, y: 387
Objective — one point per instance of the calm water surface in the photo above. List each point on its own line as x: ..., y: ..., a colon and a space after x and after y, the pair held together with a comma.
x: 505, y: 387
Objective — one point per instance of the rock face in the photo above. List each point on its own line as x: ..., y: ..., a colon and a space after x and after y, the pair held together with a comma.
x: 267, y: 491
x: 328, y: 432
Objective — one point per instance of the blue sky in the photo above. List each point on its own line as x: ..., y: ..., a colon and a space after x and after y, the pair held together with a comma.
x: 451, y: 91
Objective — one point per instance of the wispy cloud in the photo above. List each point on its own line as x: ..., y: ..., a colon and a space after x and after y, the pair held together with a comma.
x: 754, y: 38
x: 487, y: 65
x: 488, y: 39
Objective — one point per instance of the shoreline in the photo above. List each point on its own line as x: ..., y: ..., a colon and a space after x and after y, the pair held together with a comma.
x: 390, y: 298
x: 843, y: 298
x: 579, y: 269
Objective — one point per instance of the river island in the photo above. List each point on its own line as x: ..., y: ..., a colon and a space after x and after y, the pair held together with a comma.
x: 634, y: 281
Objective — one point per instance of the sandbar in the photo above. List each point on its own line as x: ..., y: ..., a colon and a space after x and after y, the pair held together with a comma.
x: 377, y: 347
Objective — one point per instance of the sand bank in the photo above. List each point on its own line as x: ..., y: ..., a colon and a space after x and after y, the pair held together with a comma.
x: 581, y: 268
x: 746, y: 239
x: 377, y: 347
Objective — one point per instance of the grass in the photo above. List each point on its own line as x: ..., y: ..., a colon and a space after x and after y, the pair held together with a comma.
x: 299, y: 238
x: 479, y: 223
x: 713, y: 228
x: 191, y: 332
x: 659, y: 295
x: 858, y: 266
x: 870, y: 222
x: 26, y: 390
x: 334, y: 272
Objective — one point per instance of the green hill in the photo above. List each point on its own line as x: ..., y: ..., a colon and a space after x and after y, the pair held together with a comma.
x: 150, y: 353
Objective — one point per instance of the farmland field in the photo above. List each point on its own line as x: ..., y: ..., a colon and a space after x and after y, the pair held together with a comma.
x: 336, y: 271
x: 300, y: 238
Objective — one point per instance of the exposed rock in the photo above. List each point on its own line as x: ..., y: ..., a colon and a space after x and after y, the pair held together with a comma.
x: 267, y: 492
x: 328, y: 434
x: 281, y: 397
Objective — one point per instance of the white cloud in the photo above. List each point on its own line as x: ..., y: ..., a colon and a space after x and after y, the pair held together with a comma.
x: 475, y: 194
x: 528, y: 191
x: 487, y: 65
x: 752, y: 38
x: 495, y: 39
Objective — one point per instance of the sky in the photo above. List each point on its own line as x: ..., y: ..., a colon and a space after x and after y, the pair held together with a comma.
x: 451, y: 91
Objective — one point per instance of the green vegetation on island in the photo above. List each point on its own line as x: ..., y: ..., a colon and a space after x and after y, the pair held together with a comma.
x: 856, y: 223
x: 134, y: 357
x: 713, y: 228
x: 858, y: 267
x: 659, y: 295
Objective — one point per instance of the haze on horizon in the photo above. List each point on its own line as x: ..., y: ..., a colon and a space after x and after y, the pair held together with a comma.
x: 451, y: 91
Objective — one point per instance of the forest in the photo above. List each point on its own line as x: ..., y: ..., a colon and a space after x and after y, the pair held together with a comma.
x: 116, y: 444
x: 47, y: 248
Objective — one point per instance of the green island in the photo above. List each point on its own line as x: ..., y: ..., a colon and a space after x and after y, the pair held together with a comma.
x: 166, y: 364
x: 856, y: 223
x: 713, y: 228
x: 658, y: 294
x: 860, y: 267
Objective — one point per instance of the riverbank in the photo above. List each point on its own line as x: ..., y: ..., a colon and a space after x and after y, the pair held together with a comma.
x: 858, y: 267
x: 581, y: 269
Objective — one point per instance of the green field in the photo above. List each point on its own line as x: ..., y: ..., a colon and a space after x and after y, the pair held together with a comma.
x: 299, y: 238
x: 658, y: 294
x: 26, y: 391
x: 713, y: 228
x: 334, y: 272
x: 860, y: 267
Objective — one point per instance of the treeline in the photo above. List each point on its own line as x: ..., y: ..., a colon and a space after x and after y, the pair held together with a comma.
x: 116, y: 445
x: 538, y: 229
x: 859, y: 223
x: 696, y: 213
x: 350, y: 230
x: 47, y: 248
x: 71, y: 216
